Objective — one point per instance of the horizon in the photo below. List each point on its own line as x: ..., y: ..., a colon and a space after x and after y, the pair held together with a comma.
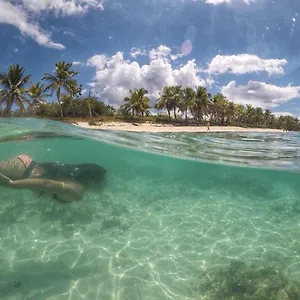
x: 230, y: 47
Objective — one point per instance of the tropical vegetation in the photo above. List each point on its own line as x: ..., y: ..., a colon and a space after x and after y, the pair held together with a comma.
x: 62, y: 80
x: 13, y: 88
x: 59, y: 96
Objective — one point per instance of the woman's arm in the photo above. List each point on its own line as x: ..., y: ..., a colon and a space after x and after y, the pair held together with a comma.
x: 67, y: 191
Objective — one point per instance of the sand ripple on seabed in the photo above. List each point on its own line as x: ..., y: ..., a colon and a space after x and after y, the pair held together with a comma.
x: 136, y: 249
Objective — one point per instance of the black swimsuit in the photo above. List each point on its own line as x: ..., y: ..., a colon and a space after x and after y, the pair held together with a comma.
x: 29, y: 170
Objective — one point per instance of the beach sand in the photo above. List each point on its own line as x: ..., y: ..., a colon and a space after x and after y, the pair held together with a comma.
x: 151, y: 127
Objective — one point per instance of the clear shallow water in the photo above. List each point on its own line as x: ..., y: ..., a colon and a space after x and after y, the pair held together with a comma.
x: 165, y: 227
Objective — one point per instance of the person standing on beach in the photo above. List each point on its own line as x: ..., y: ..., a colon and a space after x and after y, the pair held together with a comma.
x: 208, y: 124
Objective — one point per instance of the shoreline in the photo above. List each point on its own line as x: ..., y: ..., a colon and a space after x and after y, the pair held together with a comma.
x: 165, y: 128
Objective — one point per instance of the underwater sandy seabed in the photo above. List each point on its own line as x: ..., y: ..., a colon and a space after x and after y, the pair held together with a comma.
x: 163, y: 228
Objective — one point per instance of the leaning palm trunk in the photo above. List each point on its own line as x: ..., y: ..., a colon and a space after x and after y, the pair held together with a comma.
x: 174, y: 109
x: 8, y: 108
x: 90, y: 109
x: 33, y: 110
x: 199, y: 113
x: 59, y: 102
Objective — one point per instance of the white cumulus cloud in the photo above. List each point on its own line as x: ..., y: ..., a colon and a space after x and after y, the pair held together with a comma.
x: 135, y: 52
x: 97, y: 61
x: 17, y: 17
x: 260, y: 94
x: 69, y: 33
x: 245, y: 63
x: 217, y: 2
x: 78, y: 63
x: 282, y: 113
x: 64, y: 7
x: 23, y: 14
x: 115, y: 76
x: 163, y: 52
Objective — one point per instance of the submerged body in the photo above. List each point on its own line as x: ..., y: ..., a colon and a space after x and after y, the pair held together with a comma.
x: 65, y: 182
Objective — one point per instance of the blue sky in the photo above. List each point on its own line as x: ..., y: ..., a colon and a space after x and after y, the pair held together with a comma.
x: 246, y: 49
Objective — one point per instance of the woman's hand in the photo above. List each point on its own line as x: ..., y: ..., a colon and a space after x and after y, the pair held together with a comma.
x: 4, y: 180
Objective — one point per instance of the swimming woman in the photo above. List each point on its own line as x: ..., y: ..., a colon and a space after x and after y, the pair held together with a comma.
x: 66, y: 182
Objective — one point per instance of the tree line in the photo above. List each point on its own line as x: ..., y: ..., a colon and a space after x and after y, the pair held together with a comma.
x: 32, y: 100
x: 181, y: 104
x: 199, y: 105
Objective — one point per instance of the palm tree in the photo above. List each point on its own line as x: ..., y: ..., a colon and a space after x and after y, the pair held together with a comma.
x: 13, y: 88
x: 169, y: 99
x: 67, y: 102
x: 2, y: 100
x: 201, y: 102
x: 89, y: 100
x: 165, y: 100
x: 137, y: 103
x: 240, y: 114
x: 267, y: 118
x: 90, y: 103
x: 37, y: 93
x: 230, y: 112
x: 258, y: 117
x: 176, y: 98
x: 62, y: 80
x: 220, y: 104
x: 187, y: 101
x: 143, y: 102
x: 250, y: 114
x: 270, y: 119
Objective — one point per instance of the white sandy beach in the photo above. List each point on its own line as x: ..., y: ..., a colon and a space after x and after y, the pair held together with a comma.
x: 150, y: 127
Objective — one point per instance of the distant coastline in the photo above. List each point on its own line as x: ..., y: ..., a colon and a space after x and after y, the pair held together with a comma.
x: 175, y: 109
x: 159, y: 127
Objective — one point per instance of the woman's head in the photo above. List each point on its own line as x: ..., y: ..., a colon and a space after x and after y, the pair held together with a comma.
x: 91, y: 175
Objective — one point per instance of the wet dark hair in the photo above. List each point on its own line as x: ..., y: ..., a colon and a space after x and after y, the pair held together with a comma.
x: 88, y: 174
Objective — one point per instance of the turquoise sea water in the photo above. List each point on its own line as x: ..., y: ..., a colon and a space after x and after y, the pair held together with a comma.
x: 184, y: 216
